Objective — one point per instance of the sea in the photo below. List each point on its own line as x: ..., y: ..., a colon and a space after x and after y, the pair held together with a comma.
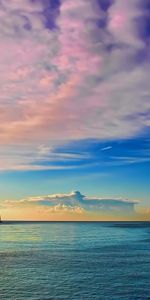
x: 75, y: 260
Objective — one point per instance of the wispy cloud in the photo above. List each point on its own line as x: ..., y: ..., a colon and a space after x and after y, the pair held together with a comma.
x: 74, y: 155
x: 106, y: 148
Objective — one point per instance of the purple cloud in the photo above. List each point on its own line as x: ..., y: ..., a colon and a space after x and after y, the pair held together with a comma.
x: 80, y: 80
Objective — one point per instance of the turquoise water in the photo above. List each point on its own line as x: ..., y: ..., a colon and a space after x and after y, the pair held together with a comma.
x: 44, y: 261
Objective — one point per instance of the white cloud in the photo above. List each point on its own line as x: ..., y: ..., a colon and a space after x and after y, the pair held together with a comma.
x: 75, y: 202
x: 106, y: 148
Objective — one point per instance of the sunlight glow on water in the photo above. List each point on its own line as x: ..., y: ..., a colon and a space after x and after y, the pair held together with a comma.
x: 43, y: 261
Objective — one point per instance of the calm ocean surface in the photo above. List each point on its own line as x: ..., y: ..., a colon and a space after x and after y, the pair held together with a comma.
x: 43, y: 261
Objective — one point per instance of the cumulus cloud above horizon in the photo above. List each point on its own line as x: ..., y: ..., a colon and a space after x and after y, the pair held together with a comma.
x: 71, y: 70
x: 76, y: 203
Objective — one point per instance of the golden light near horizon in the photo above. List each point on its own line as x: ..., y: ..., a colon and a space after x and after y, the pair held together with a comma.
x: 72, y: 207
x: 74, y: 103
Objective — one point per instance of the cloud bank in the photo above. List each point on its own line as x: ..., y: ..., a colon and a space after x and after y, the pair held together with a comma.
x: 71, y: 70
x: 77, y: 204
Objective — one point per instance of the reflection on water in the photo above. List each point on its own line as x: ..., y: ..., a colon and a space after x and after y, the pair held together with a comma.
x: 75, y: 261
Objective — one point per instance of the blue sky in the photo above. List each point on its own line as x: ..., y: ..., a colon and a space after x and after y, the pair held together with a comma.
x: 114, y: 169
x: 74, y: 103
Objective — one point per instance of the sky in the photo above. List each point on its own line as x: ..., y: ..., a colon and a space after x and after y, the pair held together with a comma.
x: 74, y: 109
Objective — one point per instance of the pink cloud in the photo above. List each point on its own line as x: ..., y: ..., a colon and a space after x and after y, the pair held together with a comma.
x: 63, y: 84
x: 122, y: 15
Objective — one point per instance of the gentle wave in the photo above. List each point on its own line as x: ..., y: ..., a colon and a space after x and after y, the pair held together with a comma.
x: 75, y: 261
